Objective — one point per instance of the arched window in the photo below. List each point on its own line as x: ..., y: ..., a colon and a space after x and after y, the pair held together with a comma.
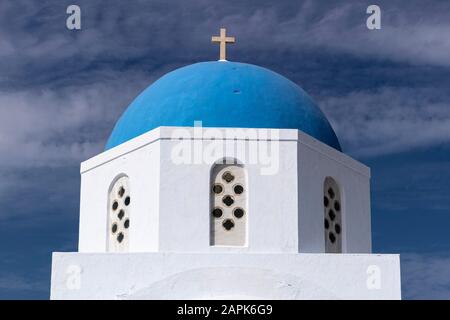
x: 333, y: 216
x: 228, y: 210
x: 119, y: 215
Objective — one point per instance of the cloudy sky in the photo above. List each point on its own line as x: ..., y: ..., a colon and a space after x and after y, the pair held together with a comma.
x: 386, y: 93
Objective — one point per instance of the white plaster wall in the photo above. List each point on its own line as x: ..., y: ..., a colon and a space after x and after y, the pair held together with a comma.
x: 317, y: 161
x: 170, y: 204
x: 185, y: 204
x: 142, y: 168
x: 224, y: 275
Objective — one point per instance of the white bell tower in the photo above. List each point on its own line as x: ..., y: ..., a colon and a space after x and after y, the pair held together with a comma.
x: 151, y: 227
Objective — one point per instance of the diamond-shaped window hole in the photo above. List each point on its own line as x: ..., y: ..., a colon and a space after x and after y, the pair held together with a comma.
x: 121, y: 192
x: 238, y: 189
x: 326, y: 202
x: 337, y: 205
x: 238, y: 213
x: 217, y: 188
x: 332, y: 215
x: 332, y: 237
x: 228, y: 224
x: 337, y: 228
x: 217, y: 213
x: 228, y: 177
x: 228, y: 200
x: 331, y: 193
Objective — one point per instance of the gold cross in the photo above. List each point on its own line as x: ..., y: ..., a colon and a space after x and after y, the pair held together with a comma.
x: 223, y: 40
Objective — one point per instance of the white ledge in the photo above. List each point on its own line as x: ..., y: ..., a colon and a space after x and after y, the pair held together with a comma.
x: 167, y: 133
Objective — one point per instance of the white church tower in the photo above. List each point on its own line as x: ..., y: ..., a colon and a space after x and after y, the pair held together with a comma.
x: 224, y: 180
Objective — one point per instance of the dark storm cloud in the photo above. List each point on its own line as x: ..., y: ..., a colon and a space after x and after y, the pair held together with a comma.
x: 390, y: 120
x: 84, y: 78
x: 34, y: 37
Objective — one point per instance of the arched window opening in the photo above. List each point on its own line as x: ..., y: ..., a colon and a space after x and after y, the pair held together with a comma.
x: 228, y: 209
x: 333, y: 216
x: 119, y: 203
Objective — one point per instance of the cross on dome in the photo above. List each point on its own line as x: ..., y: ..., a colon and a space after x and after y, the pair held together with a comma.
x: 222, y: 40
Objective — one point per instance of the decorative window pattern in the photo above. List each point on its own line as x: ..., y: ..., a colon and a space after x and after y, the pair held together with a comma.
x: 333, y: 216
x: 228, y: 216
x: 119, y: 215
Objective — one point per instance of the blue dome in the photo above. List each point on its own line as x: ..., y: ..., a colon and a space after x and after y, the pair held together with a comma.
x: 223, y: 94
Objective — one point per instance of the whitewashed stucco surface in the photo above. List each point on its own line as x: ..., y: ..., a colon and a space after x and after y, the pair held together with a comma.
x: 224, y: 275
x: 170, y: 256
x: 170, y: 204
